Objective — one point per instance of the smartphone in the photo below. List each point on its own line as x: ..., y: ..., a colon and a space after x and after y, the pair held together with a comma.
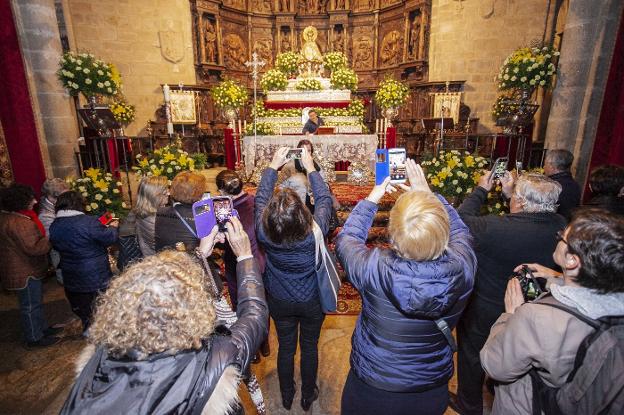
x: 294, y: 154
x: 205, y: 220
x: 106, y: 218
x: 381, y: 165
x: 396, y: 164
x: 499, y: 167
x: 223, y: 210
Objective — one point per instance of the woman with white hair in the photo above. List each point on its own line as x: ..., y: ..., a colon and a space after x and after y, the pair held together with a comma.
x: 50, y: 191
x: 412, y: 297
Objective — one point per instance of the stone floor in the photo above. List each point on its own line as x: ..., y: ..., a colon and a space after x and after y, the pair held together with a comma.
x: 37, y: 381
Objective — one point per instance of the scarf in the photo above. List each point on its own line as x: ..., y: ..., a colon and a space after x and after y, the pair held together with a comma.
x: 589, y: 302
x: 33, y: 216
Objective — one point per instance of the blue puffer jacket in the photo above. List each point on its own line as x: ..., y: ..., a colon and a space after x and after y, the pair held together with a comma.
x: 82, y: 241
x: 289, y: 271
x: 396, y: 345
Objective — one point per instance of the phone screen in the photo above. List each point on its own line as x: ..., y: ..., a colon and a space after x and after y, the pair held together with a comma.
x: 396, y: 160
x: 223, y: 211
x: 499, y: 168
x: 294, y: 153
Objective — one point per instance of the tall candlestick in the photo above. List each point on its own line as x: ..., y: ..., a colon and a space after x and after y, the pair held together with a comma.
x: 240, y: 129
x: 170, y: 128
x: 377, y: 125
x: 166, y: 93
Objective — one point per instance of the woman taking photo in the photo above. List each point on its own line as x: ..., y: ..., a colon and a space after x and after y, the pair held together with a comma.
x: 284, y: 229
x: 400, y: 360
x: 82, y: 242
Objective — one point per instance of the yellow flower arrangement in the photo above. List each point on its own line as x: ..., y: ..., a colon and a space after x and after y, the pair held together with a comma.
x: 528, y: 68
x: 102, y: 193
x: 274, y: 80
x: 167, y: 161
x: 344, y: 78
x: 122, y: 111
x: 308, y: 85
x: 391, y: 93
x: 229, y: 93
x: 335, y: 60
x: 288, y: 62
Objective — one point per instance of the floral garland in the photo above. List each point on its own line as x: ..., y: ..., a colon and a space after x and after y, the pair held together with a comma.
x: 122, y: 111
x: 344, y: 78
x: 391, y: 93
x: 262, y: 128
x: 229, y: 93
x: 527, y: 68
x: 274, y: 80
x: 102, y: 193
x: 166, y: 161
x: 84, y: 73
x: 308, y: 85
x: 355, y: 109
x: 288, y: 62
x: 335, y: 60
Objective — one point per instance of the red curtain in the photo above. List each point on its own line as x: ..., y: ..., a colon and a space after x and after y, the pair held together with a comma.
x: 16, y: 113
x: 609, y: 144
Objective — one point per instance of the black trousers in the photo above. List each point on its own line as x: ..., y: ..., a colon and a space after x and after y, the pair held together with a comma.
x: 472, y: 333
x: 358, y: 398
x: 82, y: 305
x: 292, y: 321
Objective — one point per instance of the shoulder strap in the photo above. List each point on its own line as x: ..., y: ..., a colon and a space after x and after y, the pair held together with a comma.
x: 587, y: 320
x: 446, y: 331
x: 191, y: 230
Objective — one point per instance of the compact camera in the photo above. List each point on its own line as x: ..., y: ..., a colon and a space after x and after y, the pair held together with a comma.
x: 531, y: 287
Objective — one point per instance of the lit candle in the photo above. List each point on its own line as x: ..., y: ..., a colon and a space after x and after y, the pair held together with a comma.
x: 170, y: 128
x: 166, y: 92
x: 377, y: 125
x: 239, y: 126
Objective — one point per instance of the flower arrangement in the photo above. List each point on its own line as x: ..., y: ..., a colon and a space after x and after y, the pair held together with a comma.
x: 166, y: 161
x: 274, y: 80
x: 356, y: 108
x: 122, y: 111
x: 505, y: 105
x: 229, y: 93
x: 84, y: 73
x: 102, y: 193
x: 308, y: 85
x: 335, y: 60
x: 344, y: 78
x: 288, y: 62
x: 391, y: 93
x: 453, y: 174
x: 527, y: 68
x: 262, y: 128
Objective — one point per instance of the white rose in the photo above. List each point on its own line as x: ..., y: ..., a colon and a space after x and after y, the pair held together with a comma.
x: 178, y: 168
x: 537, y: 77
x: 459, y: 190
x: 100, y: 85
x: 82, y: 189
x: 542, y: 82
x: 107, y: 83
x: 497, y: 206
x: 523, y: 79
x: 88, y: 208
x: 86, y: 70
x: 85, y: 194
x: 532, y: 82
x: 506, y: 77
x: 99, y: 72
x: 79, y: 62
x: 123, y: 205
x: 161, y: 161
x: 173, y: 163
x: 98, y: 197
x: 513, y: 78
x: 455, y: 182
x: 108, y: 201
x: 516, y: 70
x: 169, y: 170
x: 119, y: 184
x: 88, y: 81
x: 116, y: 191
x: 109, y: 90
x: 94, y: 205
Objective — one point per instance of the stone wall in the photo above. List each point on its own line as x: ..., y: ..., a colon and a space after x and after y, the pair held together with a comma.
x: 136, y: 35
x: 470, y: 40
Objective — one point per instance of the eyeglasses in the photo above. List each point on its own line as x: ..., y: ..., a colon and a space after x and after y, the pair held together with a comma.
x: 560, y: 238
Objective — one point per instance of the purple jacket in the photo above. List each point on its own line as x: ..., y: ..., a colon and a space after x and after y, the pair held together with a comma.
x: 396, y: 346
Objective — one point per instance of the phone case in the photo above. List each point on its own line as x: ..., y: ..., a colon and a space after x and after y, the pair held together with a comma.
x: 106, y: 218
x: 382, y: 168
x: 205, y: 220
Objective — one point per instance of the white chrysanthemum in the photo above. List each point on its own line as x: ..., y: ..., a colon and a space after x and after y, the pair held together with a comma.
x: 93, y: 205
x: 88, y: 81
x: 123, y: 205
x: 85, y: 194
x: 98, y: 197
x: 82, y: 189
x: 459, y: 190
x: 116, y: 191
x: 88, y: 208
x: 107, y: 201
x: 86, y: 70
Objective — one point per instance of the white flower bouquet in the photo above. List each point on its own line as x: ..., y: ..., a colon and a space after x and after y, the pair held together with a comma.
x: 274, y: 80
x: 102, y: 193
x: 528, y: 68
x: 344, y: 78
x: 84, y: 73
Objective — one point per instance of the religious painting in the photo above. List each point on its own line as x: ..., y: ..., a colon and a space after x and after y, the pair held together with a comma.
x: 446, y: 104
x: 183, y: 107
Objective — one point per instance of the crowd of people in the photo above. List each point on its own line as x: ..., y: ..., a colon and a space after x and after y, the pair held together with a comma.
x: 160, y: 343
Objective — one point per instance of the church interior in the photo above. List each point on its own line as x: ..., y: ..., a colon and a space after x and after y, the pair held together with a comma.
x: 117, y: 90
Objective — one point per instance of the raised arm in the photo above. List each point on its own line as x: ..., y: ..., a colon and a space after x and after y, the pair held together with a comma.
x: 470, y: 209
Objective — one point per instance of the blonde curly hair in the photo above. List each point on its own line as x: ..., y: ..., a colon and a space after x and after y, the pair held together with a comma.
x: 161, y: 304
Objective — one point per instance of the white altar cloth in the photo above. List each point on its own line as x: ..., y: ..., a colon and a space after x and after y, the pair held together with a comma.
x: 336, y: 147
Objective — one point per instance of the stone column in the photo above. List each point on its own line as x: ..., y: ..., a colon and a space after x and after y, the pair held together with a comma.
x: 54, y: 111
x: 586, y: 51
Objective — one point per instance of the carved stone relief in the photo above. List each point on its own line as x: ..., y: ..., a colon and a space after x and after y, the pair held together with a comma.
x: 362, y: 50
x: 283, y: 6
x: 210, y: 41
x: 263, y: 6
x: 264, y: 48
x: 391, y: 47
x: 363, y: 5
x: 234, y: 51
x: 338, y: 5
x: 285, y: 44
x: 386, y: 3
x: 237, y: 4
x: 338, y: 41
x: 414, y: 37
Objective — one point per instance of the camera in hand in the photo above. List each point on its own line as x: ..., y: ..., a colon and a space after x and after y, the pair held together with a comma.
x: 223, y: 210
x: 531, y: 287
x: 294, y: 154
